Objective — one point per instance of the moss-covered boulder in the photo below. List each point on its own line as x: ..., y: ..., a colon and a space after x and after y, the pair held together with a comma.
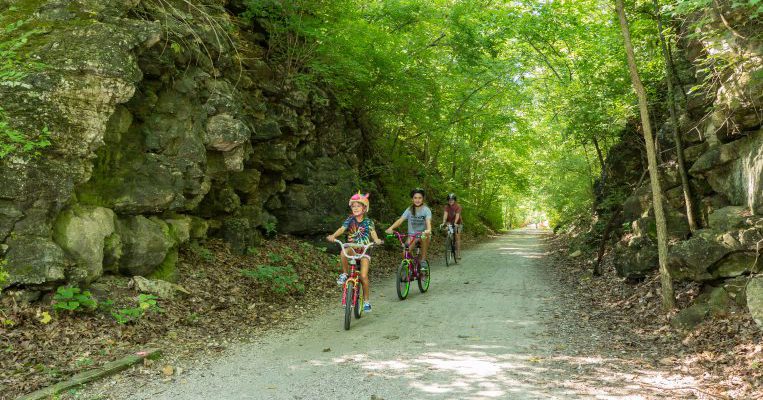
x: 754, y: 293
x: 82, y: 232
x: 35, y: 261
x: 635, y: 257
x: 691, y: 316
x: 691, y: 259
x: 728, y: 218
x: 736, y: 170
x: 145, y: 244
x: 317, y: 205
x: 224, y: 133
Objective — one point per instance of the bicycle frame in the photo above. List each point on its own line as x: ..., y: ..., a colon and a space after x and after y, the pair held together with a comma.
x: 407, y: 256
x: 451, y: 229
x: 352, y: 259
x: 450, y: 243
x: 410, y: 268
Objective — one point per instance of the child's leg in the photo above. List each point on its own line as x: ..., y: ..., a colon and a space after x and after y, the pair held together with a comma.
x: 412, y: 243
x: 345, y: 264
x: 364, y: 265
x: 424, y: 247
x: 458, y: 241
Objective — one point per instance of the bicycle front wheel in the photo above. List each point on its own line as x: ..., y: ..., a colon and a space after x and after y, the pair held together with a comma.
x: 448, y: 252
x: 453, y: 250
x: 403, y: 281
x: 350, y: 288
x: 358, y: 301
x: 423, y: 278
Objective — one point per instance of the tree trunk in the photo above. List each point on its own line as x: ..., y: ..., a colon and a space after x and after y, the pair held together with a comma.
x: 674, y: 122
x: 604, y: 238
x: 668, y: 297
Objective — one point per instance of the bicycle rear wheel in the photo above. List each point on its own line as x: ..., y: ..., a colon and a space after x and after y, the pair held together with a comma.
x: 403, y: 280
x: 358, y: 303
x: 424, y: 278
x: 348, y: 305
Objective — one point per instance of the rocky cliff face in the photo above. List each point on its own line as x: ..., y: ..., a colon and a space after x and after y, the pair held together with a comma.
x: 165, y: 125
x: 721, y: 129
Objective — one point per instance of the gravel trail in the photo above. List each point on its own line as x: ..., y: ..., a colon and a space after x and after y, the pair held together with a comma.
x: 480, y: 332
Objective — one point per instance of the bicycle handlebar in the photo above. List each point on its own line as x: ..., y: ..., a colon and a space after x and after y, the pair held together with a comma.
x: 401, y: 237
x: 345, y: 246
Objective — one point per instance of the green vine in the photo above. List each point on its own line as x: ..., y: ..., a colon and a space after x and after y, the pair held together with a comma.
x: 3, y: 273
x: 14, y: 66
x: 14, y: 141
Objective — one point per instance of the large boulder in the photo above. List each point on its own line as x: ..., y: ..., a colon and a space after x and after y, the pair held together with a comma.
x: 635, y: 258
x: 714, y: 301
x: 145, y: 244
x: 319, y: 205
x: 691, y: 259
x: 224, y: 133
x: 728, y: 218
x: 36, y: 261
x: 726, y: 252
x: 81, y: 232
x: 736, y: 170
x: 155, y: 156
x: 754, y: 292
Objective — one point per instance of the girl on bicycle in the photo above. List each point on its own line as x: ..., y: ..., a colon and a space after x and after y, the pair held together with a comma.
x: 360, y: 229
x: 419, y: 218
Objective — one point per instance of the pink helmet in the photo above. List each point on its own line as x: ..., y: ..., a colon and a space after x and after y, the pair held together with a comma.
x: 362, y: 199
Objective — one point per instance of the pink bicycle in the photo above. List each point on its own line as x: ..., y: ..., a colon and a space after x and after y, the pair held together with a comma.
x: 352, y: 291
x: 410, y: 267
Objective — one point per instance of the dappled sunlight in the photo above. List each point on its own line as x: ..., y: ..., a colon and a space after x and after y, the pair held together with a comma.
x: 484, y: 371
x: 350, y: 358
x: 470, y: 365
x: 753, y: 169
x: 523, y: 252
x: 384, y: 365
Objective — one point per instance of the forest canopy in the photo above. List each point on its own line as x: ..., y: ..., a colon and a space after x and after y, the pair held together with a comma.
x: 513, y: 105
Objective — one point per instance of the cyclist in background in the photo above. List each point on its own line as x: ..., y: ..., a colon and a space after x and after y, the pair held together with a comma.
x: 452, y: 215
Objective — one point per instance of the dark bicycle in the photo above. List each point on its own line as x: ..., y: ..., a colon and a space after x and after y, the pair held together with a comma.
x: 450, y: 245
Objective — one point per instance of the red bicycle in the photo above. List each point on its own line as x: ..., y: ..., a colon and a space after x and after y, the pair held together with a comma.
x: 352, y: 293
x: 410, y: 267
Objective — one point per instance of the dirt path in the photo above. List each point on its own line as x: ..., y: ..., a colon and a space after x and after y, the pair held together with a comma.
x: 487, y: 328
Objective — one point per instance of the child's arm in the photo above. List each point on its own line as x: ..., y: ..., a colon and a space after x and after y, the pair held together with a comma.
x: 331, y: 238
x: 395, y: 225
x: 429, y: 227
x: 444, y: 217
x: 375, y: 237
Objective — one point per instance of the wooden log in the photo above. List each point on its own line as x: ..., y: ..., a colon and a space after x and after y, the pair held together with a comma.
x: 107, y: 369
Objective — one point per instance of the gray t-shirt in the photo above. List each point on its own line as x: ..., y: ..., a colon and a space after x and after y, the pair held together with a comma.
x: 417, y: 223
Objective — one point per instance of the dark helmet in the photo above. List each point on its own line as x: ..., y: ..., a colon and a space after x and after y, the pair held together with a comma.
x: 451, y: 196
x: 419, y: 191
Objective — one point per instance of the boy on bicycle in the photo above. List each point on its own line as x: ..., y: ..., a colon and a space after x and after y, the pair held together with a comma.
x: 360, y: 230
x: 452, y: 215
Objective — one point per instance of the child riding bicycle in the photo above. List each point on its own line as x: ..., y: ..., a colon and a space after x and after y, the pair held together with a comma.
x: 419, y: 218
x: 452, y: 215
x: 360, y: 230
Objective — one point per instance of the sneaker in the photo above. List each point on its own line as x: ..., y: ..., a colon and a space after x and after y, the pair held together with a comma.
x: 425, y: 265
x: 342, y: 278
x: 366, y: 306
